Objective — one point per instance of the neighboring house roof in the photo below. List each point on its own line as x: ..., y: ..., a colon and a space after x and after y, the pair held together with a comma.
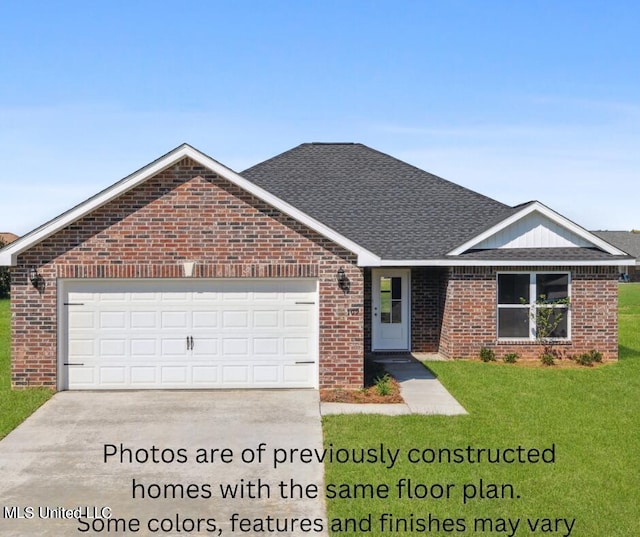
x: 387, y: 212
x: 628, y: 241
x: 7, y: 238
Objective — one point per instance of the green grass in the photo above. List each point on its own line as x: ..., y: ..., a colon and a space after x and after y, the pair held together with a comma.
x: 592, y: 415
x: 15, y: 405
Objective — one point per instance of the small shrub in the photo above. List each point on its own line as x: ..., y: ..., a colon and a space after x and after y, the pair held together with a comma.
x: 383, y: 384
x: 511, y: 358
x: 588, y: 358
x: 547, y: 358
x: 487, y: 355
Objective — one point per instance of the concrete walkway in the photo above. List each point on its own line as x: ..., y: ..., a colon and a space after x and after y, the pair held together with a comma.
x: 421, y: 390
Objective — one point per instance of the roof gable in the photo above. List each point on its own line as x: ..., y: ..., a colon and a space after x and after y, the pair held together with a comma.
x: 535, y: 226
x: 9, y: 254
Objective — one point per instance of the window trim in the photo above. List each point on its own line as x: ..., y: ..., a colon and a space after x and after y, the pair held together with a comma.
x: 532, y: 306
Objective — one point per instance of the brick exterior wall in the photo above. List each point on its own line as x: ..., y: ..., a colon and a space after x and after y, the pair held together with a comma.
x: 428, y: 291
x: 186, y: 213
x: 469, y: 321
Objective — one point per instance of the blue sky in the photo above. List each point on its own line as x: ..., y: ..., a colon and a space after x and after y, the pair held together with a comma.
x: 517, y: 100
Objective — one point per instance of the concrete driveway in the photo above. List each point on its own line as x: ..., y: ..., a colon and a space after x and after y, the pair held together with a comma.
x: 53, y: 466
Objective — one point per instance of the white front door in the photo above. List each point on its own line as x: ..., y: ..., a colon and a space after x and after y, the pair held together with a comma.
x: 391, y: 309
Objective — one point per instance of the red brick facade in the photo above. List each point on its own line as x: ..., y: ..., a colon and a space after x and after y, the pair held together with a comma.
x: 469, y: 320
x: 186, y: 213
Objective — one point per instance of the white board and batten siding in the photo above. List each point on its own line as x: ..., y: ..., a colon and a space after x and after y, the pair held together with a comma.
x: 534, y: 231
x: 188, y: 334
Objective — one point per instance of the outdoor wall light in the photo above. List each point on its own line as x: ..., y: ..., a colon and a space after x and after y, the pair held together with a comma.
x: 34, y: 278
x: 343, y: 281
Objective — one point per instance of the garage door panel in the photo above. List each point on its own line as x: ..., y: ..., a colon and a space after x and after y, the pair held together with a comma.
x: 296, y: 346
x: 204, y: 375
x: 112, y: 319
x: 116, y: 348
x: 113, y: 375
x: 174, y: 374
x: 297, y: 319
x: 82, y: 319
x: 235, y: 319
x: 191, y: 333
x: 235, y: 375
x: 172, y: 347
x: 112, y: 297
x: 205, y: 347
x: 174, y: 319
x: 82, y: 377
x: 235, y: 347
x: 266, y: 346
x: 174, y: 297
x: 144, y: 319
x: 266, y: 374
x: 144, y: 348
x: 143, y: 297
x: 204, y: 319
x: 143, y: 376
x: 82, y: 347
x: 266, y: 319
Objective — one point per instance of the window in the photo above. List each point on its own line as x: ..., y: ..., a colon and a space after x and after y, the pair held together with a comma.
x: 390, y: 300
x: 523, y: 300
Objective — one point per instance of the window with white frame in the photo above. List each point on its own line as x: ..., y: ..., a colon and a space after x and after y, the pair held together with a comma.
x: 524, y: 297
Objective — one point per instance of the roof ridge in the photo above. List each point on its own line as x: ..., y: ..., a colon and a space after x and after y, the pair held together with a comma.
x: 331, y: 143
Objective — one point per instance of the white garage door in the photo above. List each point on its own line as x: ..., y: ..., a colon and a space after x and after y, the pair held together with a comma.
x: 142, y: 334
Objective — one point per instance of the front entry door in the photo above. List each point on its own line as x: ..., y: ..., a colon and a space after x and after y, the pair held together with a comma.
x: 390, y: 309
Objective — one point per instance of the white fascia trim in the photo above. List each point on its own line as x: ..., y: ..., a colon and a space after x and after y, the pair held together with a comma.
x: 8, y: 255
x: 503, y: 263
x: 536, y: 206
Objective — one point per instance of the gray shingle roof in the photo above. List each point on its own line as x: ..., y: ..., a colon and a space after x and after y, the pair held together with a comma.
x: 387, y: 206
x: 627, y: 241
x: 538, y: 254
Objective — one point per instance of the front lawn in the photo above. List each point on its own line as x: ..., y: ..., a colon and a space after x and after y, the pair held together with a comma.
x: 591, y: 416
x: 15, y: 405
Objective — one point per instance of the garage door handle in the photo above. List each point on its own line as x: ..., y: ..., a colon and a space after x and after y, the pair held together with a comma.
x: 305, y: 302
x: 189, y: 343
x: 73, y: 363
x: 191, y: 339
x: 307, y: 362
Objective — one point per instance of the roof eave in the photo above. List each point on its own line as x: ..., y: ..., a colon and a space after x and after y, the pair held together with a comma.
x: 503, y: 263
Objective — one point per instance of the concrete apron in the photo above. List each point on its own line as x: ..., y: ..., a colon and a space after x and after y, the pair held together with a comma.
x: 55, y: 460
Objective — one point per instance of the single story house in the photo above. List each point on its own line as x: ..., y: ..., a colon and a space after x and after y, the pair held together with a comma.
x: 186, y: 274
x: 627, y: 241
